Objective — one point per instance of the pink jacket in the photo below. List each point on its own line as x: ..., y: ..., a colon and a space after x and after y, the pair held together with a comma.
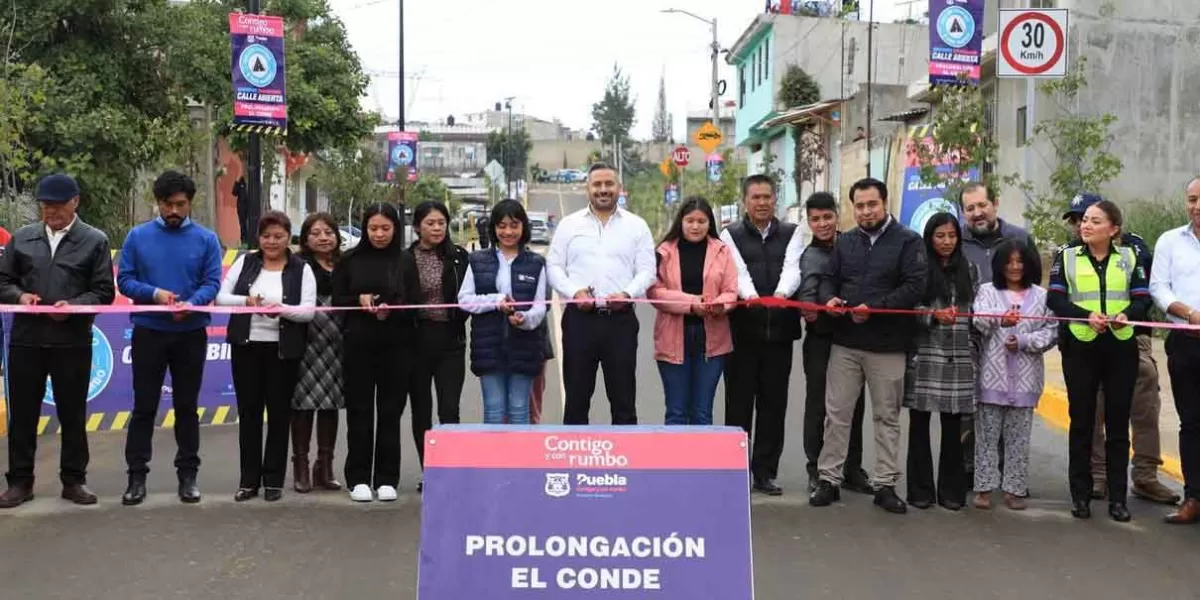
x: 720, y: 285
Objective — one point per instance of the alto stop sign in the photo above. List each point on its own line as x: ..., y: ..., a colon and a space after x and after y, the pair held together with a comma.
x: 681, y: 155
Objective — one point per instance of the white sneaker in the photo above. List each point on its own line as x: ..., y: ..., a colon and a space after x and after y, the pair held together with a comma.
x: 387, y: 493
x: 362, y: 493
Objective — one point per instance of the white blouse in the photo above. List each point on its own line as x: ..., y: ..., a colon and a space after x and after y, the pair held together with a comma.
x: 269, y: 285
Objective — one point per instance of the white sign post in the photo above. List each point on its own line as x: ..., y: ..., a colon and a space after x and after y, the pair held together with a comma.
x: 1033, y: 43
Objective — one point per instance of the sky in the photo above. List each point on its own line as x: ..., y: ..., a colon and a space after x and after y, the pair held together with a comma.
x: 463, y: 56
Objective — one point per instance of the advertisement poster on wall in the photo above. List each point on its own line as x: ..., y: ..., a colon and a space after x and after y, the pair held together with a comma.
x: 920, y: 200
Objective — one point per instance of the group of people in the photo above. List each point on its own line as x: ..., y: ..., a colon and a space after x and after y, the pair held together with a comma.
x: 952, y: 320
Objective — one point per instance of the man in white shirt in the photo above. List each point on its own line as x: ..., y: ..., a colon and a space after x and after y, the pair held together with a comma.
x: 767, y: 254
x: 601, y: 257
x: 1175, y: 286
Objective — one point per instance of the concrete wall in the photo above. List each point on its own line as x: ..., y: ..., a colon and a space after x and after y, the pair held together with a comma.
x: 901, y: 52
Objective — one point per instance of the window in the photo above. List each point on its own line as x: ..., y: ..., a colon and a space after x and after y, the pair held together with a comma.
x: 1022, y: 130
x: 1041, y: 4
x: 741, y: 86
x: 767, y: 59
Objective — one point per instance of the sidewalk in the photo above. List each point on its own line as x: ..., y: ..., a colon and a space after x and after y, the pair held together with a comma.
x: 1053, y: 406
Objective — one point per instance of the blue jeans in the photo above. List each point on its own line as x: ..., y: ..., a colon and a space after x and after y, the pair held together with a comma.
x: 689, y: 388
x: 506, y: 395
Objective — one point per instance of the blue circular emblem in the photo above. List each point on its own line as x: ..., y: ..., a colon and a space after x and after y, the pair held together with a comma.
x: 258, y: 65
x: 956, y: 27
x: 402, y: 155
x: 102, y: 368
x: 927, y: 209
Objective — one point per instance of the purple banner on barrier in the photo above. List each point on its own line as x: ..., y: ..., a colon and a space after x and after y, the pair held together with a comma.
x: 110, y: 388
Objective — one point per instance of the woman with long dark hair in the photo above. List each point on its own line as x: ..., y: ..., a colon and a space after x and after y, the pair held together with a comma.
x: 320, y: 393
x: 941, y: 372
x: 266, y: 350
x: 696, y: 272
x: 378, y: 344
x: 441, y: 332
x: 505, y: 292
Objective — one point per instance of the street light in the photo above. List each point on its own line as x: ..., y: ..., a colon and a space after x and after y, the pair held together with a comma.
x: 716, y: 54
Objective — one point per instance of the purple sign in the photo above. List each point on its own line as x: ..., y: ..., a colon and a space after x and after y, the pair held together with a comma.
x: 572, y: 512
x: 402, y: 154
x: 955, y: 40
x: 259, y: 80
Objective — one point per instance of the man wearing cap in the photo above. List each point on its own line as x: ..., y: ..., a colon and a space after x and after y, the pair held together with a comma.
x: 1143, y: 418
x: 57, y: 262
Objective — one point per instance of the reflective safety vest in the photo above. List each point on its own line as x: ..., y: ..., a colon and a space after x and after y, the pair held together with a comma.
x: 1083, y: 287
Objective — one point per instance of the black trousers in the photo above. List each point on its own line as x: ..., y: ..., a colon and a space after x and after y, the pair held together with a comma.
x: 1085, y: 366
x: 815, y: 354
x: 757, y: 375
x: 441, y: 363
x: 607, y: 340
x: 153, y: 353
x: 952, y: 484
x: 262, y: 380
x: 1183, y: 366
x: 376, y: 390
x: 69, y: 370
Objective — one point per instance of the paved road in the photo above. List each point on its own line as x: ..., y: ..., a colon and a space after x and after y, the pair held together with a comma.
x: 320, y: 545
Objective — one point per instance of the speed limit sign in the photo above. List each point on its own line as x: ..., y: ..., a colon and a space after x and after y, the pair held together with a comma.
x: 1033, y: 43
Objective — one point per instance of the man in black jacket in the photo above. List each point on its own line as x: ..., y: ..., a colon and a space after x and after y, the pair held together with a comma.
x: 59, y: 261
x: 821, y: 212
x: 767, y: 254
x: 878, y: 265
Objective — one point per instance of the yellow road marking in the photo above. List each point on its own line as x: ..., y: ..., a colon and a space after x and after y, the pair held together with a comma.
x: 120, y: 421
x: 94, y: 421
x: 169, y: 421
x: 42, y: 423
x: 1053, y: 409
x: 220, y: 414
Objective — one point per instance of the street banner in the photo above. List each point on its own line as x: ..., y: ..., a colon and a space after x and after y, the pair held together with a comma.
x: 955, y: 40
x: 920, y: 200
x: 714, y: 165
x: 571, y: 512
x: 110, y: 387
x: 671, y: 194
x: 402, y: 153
x: 259, y: 74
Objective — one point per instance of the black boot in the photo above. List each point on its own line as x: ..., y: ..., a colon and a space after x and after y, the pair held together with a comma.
x: 327, y: 429
x: 302, y: 424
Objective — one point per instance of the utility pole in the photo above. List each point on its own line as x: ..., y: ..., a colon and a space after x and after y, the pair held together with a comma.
x: 509, y: 158
x: 716, y: 81
x: 870, y: 83
x: 400, y: 122
x: 253, y: 162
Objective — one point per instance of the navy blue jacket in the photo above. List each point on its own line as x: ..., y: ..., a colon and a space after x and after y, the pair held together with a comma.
x: 495, y: 344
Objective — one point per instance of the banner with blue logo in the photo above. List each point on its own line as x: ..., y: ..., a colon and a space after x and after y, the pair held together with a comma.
x: 259, y: 73
x: 955, y: 40
x: 575, y: 512
x: 402, y: 153
x: 714, y: 166
x: 671, y: 194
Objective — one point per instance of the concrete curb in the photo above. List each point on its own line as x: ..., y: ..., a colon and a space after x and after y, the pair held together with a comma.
x: 1052, y: 408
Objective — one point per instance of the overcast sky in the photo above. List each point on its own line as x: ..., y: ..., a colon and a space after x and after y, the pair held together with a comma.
x: 469, y: 54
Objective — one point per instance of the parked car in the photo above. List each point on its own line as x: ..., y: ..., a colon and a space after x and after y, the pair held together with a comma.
x: 539, y: 231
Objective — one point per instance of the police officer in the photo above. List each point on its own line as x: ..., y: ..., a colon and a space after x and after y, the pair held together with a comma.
x: 1147, y: 403
x: 1101, y: 286
x: 59, y: 261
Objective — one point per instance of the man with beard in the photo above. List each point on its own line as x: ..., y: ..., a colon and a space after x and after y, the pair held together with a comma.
x: 170, y: 261
x: 821, y: 212
x: 878, y: 265
x: 984, y: 231
x: 601, y: 257
x: 1147, y: 403
x: 767, y: 254
x: 58, y: 261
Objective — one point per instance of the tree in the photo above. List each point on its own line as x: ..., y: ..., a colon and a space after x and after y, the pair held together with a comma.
x: 662, y: 118
x: 1082, y: 160
x: 614, y: 115
x: 511, y: 152
x: 958, y: 142
x: 350, y: 179
x: 119, y: 77
x: 23, y: 96
x: 796, y: 89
